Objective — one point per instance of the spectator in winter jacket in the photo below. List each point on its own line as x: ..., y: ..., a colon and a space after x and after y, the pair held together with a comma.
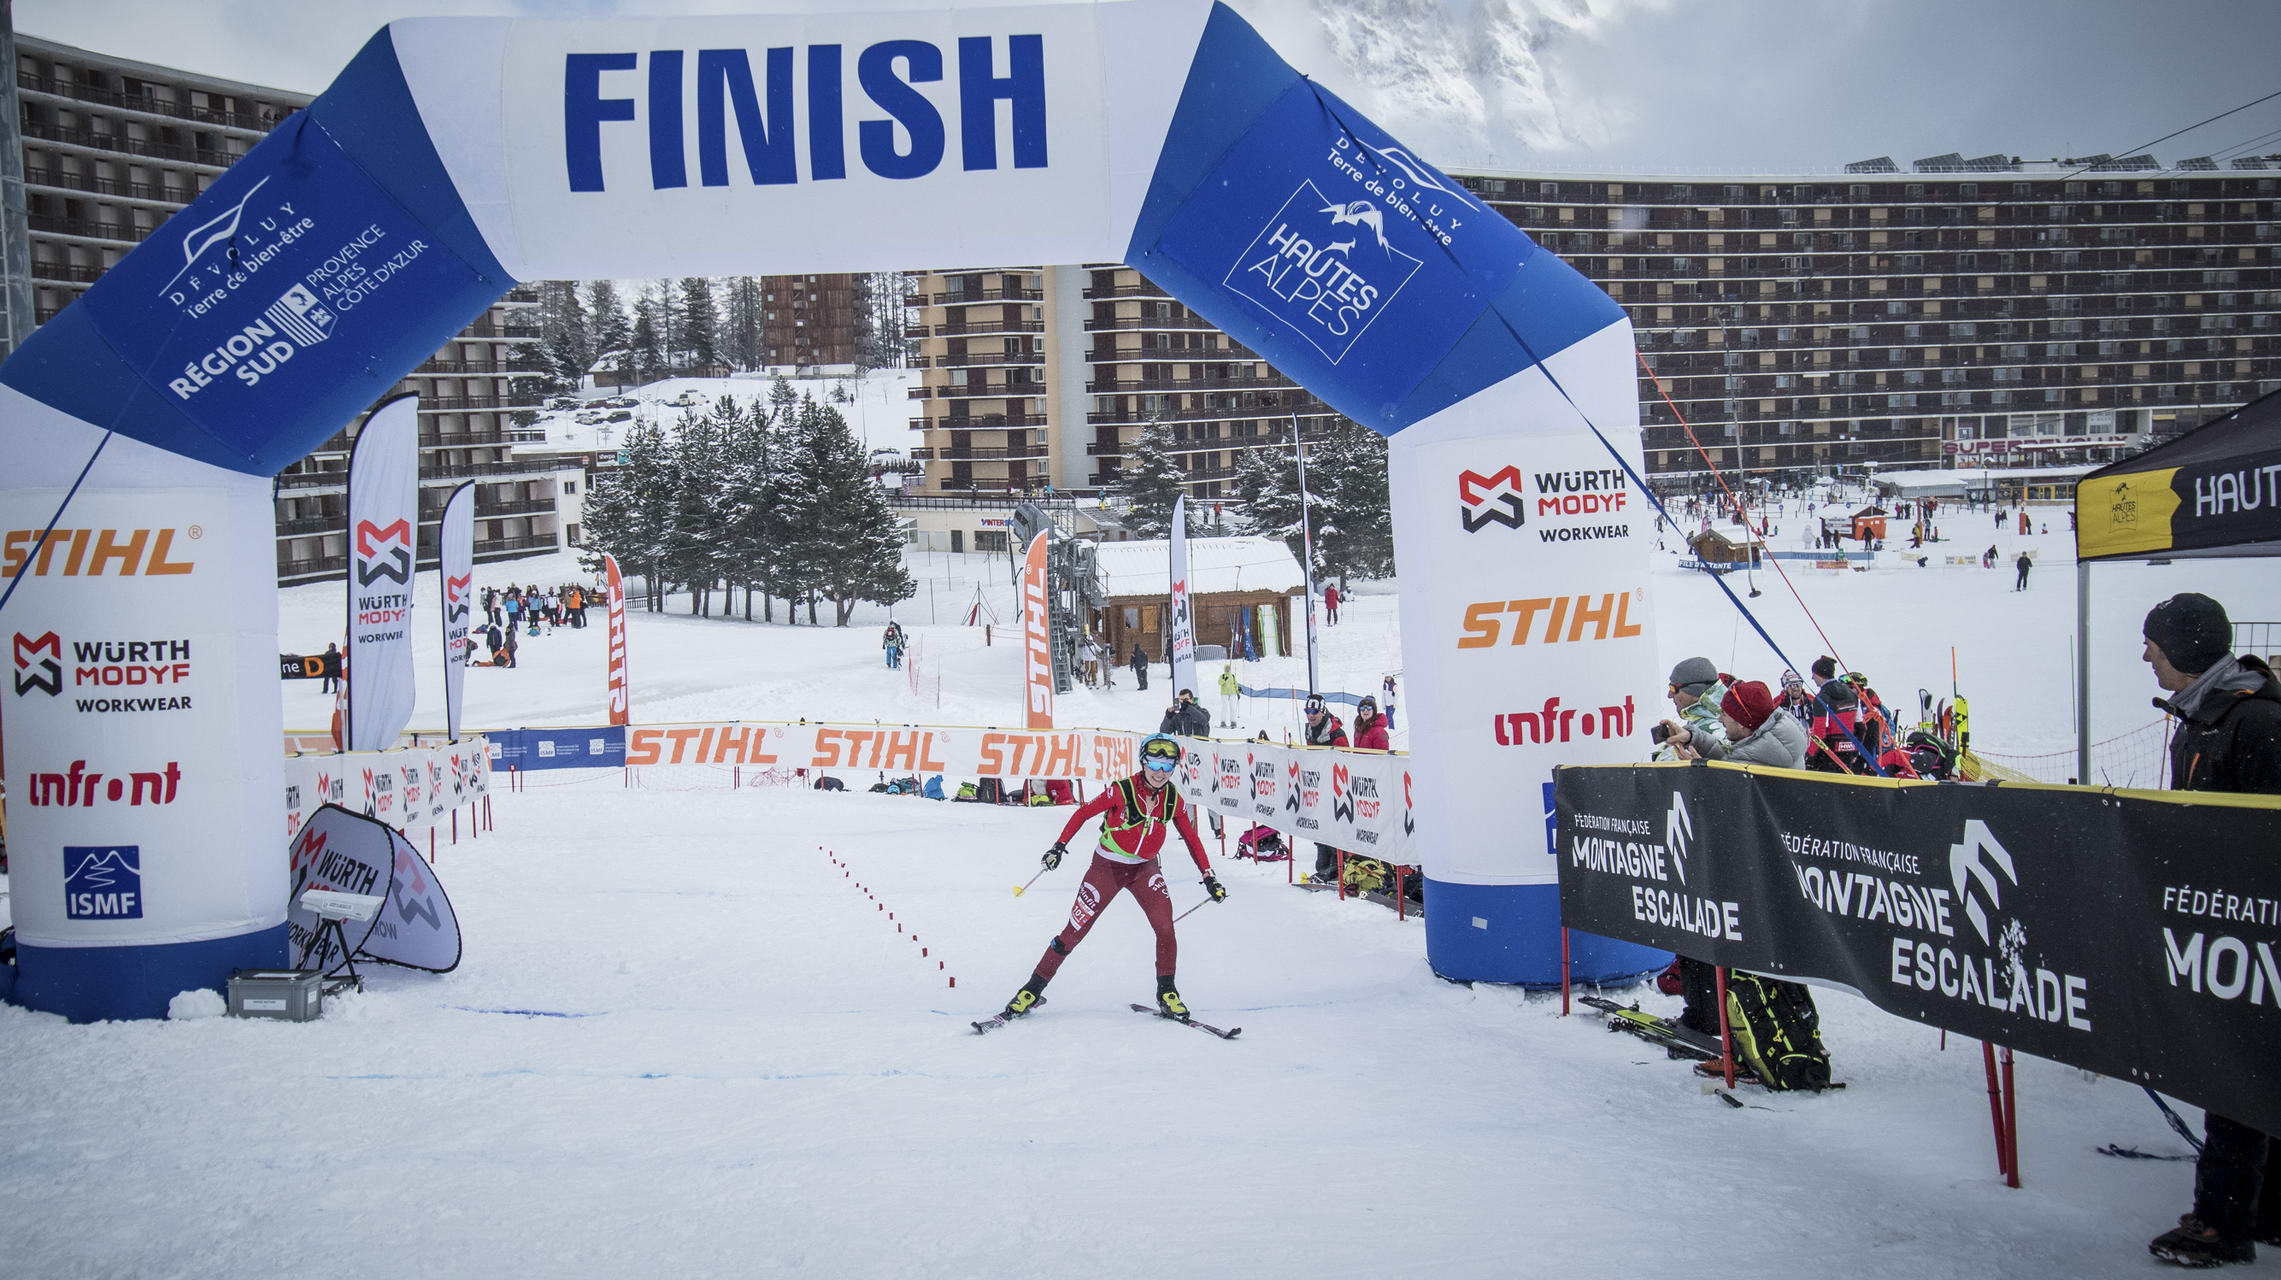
x: 2023, y: 564
x: 332, y: 669
x: 1695, y: 690
x: 1231, y: 695
x: 1139, y: 663
x: 1324, y: 730
x: 1185, y: 719
x: 1756, y: 730
x: 2228, y: 739
x: 1795, y: 700
x: 1370, y: 727
x: 1331, y: 603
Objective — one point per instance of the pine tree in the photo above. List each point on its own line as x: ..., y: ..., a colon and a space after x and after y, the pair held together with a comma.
x: 1357, y: 536
x: 609, y: 329
x: 564, y: 331
x: 1150, y: 482
x: 885, y: 310
x: 663, y: 304
x: 742, y: 322
x: 700, y: 323
x: 629, y: 513
x: 849, y: 531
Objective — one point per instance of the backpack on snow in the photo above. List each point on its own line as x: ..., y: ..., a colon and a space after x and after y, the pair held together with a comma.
x: 1777, y: 1031
x: 1367, y: 875
x: 967, y: 791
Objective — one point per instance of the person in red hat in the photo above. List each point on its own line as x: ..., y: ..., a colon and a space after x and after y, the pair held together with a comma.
x: 1756, y: 733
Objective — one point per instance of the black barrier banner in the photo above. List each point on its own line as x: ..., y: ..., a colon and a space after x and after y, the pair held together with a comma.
x: 2131, y: 933
x: 306, y: 666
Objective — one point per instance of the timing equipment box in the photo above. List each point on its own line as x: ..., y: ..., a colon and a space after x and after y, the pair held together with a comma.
x: 291, y: 995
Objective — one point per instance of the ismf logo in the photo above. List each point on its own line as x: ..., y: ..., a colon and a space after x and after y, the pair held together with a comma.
x: 1342, y: 793
x: 1496, y: 498
x: 1324, y: 267
x: 102, y: 882
x: 383, y: 551
x: 39, y: 664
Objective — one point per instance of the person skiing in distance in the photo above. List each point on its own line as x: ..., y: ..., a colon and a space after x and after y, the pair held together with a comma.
x: 1135, y: 813
x: 2023, y: 564
x: 1331, y: 603
x: 1231, y: 695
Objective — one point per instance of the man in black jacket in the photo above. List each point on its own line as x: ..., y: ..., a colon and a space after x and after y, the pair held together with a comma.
x: 1185, y: 719
x: 2228, y: 739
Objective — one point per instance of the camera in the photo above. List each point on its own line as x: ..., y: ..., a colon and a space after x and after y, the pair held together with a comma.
x: 1659, y: 733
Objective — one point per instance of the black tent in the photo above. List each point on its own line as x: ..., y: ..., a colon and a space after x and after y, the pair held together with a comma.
x: 2214, y: 491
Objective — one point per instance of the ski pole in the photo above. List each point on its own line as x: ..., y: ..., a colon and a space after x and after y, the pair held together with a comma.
x: 1189, y: 912
x: 1021, y: 889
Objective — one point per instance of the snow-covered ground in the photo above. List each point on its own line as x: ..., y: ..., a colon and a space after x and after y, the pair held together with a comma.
x: 684, y: 1042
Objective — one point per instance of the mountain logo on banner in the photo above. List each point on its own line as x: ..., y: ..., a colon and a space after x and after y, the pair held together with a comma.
x: 1323, y: 267
x: 1419, y: 174
x: 372, y: 540
x: 1973, y: 864
x: 103, y: 882
x: 215, y: 231
x: 1679, y: 835
x: 45, y: 674
x: 1496, y: 498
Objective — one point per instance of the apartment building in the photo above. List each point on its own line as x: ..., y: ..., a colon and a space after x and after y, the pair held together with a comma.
x: 1957, y: 310
x: 812, y: 319
x: 109, y: 149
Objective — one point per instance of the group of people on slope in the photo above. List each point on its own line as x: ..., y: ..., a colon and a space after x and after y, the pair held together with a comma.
x: 525, y: 610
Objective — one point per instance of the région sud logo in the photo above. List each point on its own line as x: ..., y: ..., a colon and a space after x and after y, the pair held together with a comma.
x: 1323, y: 267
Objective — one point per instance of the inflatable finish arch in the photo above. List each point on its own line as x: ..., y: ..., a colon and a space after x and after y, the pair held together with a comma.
x: 454, y: 157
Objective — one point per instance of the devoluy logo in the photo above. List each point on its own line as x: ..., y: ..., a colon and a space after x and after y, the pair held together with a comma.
x: 392, y: 540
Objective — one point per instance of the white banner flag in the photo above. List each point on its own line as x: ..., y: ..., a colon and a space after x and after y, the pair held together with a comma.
x: 383, y: 515
x: 1180, y: 643
x: 455, y: 569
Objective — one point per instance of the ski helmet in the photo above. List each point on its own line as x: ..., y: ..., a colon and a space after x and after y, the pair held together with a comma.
x: 1159, y: 752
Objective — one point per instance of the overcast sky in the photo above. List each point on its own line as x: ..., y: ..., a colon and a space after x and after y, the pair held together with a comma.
x: 1690, y: 86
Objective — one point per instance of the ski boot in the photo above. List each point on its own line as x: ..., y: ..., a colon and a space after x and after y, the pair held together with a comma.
x: 2193, y: 1243
x: 1168, y: 1000
x: 1026, y: 999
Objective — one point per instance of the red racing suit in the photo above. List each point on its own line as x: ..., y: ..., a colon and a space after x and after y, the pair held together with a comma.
x: 1134, y: 817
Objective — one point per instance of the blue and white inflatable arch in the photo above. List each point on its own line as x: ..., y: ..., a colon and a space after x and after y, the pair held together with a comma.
x: 454, y: 157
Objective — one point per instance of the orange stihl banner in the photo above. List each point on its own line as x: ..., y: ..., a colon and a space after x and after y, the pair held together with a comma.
x: 1037, y: 638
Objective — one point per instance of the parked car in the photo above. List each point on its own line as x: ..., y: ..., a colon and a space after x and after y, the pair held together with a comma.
x: 620, y: 415
x: 590, y: 418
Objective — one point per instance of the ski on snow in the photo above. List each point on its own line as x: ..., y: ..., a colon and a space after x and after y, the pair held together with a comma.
x: 1189, y: 1022
x: 1676, y: 1040
x: 997, y: 1020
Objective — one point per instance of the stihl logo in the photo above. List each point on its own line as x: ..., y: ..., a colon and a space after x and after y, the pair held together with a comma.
x: 1037, y: 640
x: 1567, y: 619
x: 375, y: 541
x: 1495, y: 498
x: 96, y: 553
x: 621, y: 686
x: 45, y: 674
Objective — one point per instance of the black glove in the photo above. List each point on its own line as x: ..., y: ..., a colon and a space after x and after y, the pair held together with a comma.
x: 1218, y: 891
x: 1052, y: 858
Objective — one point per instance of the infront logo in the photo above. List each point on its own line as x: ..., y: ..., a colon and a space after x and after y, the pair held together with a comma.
x: 375, y: 541
x: 1567, y: 619
x: 1556, y: 723
x: 46, y: 675
x: 1496, y: 498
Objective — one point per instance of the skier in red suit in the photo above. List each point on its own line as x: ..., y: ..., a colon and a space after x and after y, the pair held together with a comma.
x: 1135, y: 814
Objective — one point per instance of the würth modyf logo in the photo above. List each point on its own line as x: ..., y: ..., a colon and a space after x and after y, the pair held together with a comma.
x: 1496, y: 498
x: 35, y: 671
x: 457, y: 591
x: 374, y: 542
x: 1342, y: 793
x: 1323, y: 267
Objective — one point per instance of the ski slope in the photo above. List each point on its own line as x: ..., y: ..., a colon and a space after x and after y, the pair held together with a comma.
x: 684, y: 1042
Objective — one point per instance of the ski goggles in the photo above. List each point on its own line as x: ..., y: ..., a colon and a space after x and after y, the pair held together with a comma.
x: 1160, y: 755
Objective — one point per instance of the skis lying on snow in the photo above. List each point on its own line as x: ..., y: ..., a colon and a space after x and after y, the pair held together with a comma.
x: 1744, y: 1076
x: 1188, y: 1022
x: 1678, y: 1041
x: 997, y: 1020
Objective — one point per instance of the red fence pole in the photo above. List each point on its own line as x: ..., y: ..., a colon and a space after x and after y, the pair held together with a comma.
x: 1996, y: 1107
x: 1726, y: 1032
x: 1564, y: 971
x: 2011, y: 1124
